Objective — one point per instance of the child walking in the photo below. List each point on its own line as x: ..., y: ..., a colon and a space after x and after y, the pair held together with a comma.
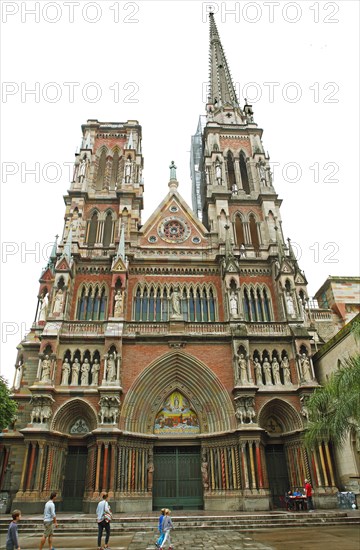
x: 167, y: 525
x: 12, y: 539
x: 161, y: 533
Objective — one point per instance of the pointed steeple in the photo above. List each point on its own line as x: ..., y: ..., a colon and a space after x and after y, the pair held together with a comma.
x: 222, y: 91
x: 52, y: 258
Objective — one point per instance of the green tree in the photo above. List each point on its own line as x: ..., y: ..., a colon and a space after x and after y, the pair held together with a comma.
x: 8, y: 407
x: 334, y: 409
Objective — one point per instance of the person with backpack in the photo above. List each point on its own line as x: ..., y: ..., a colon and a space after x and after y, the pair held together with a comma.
x: 103, y: 516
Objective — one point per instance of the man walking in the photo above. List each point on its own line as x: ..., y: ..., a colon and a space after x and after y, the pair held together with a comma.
x: 308, y: 494
x: 49, y: 522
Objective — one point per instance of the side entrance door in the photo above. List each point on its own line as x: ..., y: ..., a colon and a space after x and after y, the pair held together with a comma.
x: 278, y: 473
x: 74, y: 482
x: 177, y: 480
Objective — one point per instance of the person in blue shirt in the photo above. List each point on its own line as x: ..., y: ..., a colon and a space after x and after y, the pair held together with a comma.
x: 162, y: 534
x: 12, y: 539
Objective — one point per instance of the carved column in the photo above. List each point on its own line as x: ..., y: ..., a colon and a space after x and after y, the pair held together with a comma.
x: 112, y: 469
x: 105, y: 467
x: 328, y: 457
x: 24, y: 470
x: 39, y: 467
x: 252, y: 465
x: 244, y: 465
x: 31, y: 466
x: 323, y: 467
x: 98, y: 463
x: 259, y: 465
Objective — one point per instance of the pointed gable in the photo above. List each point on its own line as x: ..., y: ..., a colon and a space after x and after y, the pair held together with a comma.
x: 173, y: 224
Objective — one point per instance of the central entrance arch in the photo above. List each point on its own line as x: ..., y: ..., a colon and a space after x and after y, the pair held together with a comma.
x: 177, y: 478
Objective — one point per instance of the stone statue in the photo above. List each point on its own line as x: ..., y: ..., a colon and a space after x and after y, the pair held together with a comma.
x: 111, y: 368
x: 275, y: 367
x: 258, y: 372
x: 234, y: 189
x: 59, y: 301
x: 240, y: 412
x: 304, y: 410
x: 243, y: 377
x: 218, y: 174
x: 172, y: 170
x: 286, y: 370
x: 45, y: 369
x: 305, y: 368
x: 267, y: 372
x: 18, y: 375
x: 242, y: 251
x: 150, y: 472
x: 75, y: 372
x: 95, y: 373
x: 82, y: 168
x: 262, y: 172
x: 250, y: 409
x: 204, y: 471
x: 119, y: 307
x: 233, y: 304
x: 289, y: 304
x: 44, y: 307
x: 175, y: 302
x: 127, y: 170
x: 85, y: 370
x: 65, y: 372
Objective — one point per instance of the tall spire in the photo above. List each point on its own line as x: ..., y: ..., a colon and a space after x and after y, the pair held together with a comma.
x: 222, y: 91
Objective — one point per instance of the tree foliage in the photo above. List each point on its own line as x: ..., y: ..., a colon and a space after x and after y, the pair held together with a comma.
x: 334, y: 409
x: 8, y: 407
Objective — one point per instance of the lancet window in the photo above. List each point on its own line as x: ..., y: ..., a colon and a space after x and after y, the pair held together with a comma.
x: 92, y: 302
x: 154, y: 303
x: 257, y: 304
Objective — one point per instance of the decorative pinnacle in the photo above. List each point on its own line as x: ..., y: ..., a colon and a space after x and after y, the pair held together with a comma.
x: 173, y: 183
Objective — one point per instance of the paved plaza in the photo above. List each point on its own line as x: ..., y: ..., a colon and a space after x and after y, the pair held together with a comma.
x: 320, y: 538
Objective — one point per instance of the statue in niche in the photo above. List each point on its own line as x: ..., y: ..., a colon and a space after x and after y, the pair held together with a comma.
x: 119, y: 306
x: 289, y: 304
x: 95, y: 373
x: 45, y: 369
x: 305, y: 368
x: 65, y: 372
x: 218, y: 174
x: 83, y: 168
x: 127, y: 170
x: 234, y: 189
x: 267, y: 372
x: 286, y: 370
x: 275, y: 367
x: 59, y: 301
x: 204, y: 470
x: 44, y: 307
x: 109, y: 409
x: 175, y: 302
x: 258, y: 372
x: 18, y: 375
x: 85, y: 370
x: 262, y: 170
x: 75, y: 372
x: 304, y: 410
x: 233, y: 304
x: 242, y: 251
x: 242, y: 372
x: 111, y: 368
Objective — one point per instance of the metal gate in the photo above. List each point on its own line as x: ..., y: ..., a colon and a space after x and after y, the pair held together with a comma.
x: 74, y: 482
x: 177, y: 478
x: 278, y: 473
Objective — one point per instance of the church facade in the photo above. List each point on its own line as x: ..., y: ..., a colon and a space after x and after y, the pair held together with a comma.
x: 169, y: 363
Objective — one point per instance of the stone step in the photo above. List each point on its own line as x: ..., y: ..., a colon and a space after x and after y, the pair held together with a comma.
x: 240, y: 523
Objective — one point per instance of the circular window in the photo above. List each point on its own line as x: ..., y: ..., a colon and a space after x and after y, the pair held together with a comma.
x: 174, y: 230
x: 173, y: 208
x: 196, y: 240
x: 152, y: 239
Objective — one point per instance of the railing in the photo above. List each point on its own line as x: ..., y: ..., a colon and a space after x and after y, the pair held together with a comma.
x: 186, y: 328
x: 83, y: 329
x: 268, y: 329
x: 207, y: 328
x: 146, y: 328
x: 321, y: 315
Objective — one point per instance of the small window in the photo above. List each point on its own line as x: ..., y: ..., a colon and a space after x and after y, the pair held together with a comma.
x: 196, y: 240
x: 152, y: 239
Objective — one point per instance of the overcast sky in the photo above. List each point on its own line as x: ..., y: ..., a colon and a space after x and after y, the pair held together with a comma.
x: 296, y: 62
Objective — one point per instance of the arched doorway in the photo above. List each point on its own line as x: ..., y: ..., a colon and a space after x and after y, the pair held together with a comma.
x: 284, y: 452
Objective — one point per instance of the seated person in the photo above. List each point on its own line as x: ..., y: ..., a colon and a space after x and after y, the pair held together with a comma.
x: 288, y: 502
x: 297, y: 493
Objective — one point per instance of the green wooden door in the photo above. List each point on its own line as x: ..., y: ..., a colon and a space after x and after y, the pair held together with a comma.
x: 277, y: 473
x: 177, y: 478
x: 74, y: 482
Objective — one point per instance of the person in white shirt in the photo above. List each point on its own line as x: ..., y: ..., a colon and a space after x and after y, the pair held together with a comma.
x: 102, y: 508
x: 49, y: 522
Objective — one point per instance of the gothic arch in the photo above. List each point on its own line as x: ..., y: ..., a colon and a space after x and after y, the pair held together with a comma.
x: 183, y: 372
x: 67, y: 413
x: 288, y: 418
